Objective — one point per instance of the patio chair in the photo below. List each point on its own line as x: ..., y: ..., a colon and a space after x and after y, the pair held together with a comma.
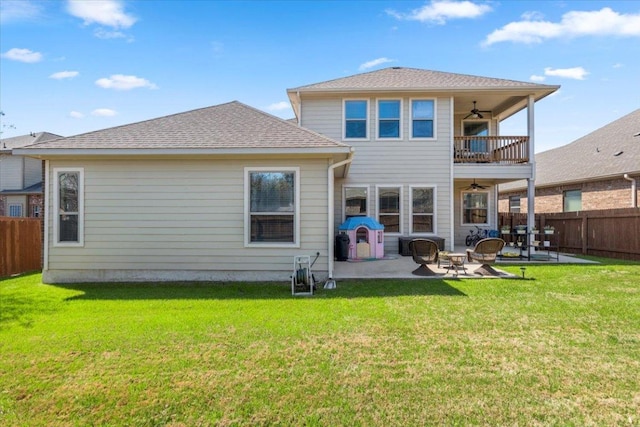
x: 424, y: 251
x: 486, y: 252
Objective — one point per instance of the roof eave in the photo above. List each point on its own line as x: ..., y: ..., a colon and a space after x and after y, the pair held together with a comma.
x: 141, y: 152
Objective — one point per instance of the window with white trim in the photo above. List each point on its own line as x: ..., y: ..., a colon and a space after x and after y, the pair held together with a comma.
x: 15, y: 210
x: 423, y: 118
x: 35, y: 211
x: 355, y: 201
x: 272, y: 206
x: 389, y: 118
x: 356, y: 113
x: 68, y: 207
x: 514, y: 204
x: 389, y: 208
x: 422, y: 210
x: 475, y: 207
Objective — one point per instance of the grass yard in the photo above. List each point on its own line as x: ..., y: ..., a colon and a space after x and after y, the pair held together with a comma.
x: 560, y: 348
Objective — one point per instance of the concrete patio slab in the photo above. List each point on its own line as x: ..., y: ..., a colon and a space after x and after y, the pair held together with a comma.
x: 395, y: 266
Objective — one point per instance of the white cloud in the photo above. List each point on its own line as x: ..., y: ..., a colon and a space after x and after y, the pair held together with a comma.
x: 576, y: 73
x: 64, y: 75
x: 532, y: 29
x: 279, y: 106
x: 440, y: 11
x: 374, y: 63
x: 22, y: 55
x: 618, y: 65
x: 76, y: 115
x: 103, y: 12
x: 535, y: 78
x: 104, y: 112
x: 122, y: 82
x: 101, y: 33
x: 18, y: 10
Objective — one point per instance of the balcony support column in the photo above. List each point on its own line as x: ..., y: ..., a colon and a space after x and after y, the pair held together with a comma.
x: 531, y: 182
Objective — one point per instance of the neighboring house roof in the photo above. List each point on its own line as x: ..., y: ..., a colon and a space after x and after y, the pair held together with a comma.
x: 608, y: 152
x: 8, y: 144
x: 227, y: 128
x: 33, y: 189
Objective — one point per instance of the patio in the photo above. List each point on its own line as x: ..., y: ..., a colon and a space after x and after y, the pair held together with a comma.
x: 396, y: 266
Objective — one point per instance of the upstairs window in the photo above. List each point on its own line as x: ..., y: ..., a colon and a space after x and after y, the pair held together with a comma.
x: 389, y: 118
x: 355, y: 119
x: 422, y: 118
x: 68, y: 207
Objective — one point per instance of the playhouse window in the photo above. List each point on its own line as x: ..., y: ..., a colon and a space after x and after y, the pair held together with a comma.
x: 389, y: 208
x: 272, y: 206
x: 68, y: 207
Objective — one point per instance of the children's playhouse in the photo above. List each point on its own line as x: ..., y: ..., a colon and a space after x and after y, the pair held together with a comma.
x: 366, y: 237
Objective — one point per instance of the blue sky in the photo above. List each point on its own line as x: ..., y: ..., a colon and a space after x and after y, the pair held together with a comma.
x: 69, y: 67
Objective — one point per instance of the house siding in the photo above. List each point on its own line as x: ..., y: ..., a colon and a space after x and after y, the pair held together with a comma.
x: 181, y: 220
x: 403, y: 162
x: 11, y: 172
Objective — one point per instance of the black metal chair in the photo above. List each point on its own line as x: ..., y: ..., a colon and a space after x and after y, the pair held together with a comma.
x: 424, y: 251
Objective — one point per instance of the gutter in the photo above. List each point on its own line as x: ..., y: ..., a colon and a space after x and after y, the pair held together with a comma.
x: 331, y: 206
x: 634, y: 190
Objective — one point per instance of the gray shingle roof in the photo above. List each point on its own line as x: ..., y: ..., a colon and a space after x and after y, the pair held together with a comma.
x: 24, y: 140
x: 610, y: 151
x: 227, y: 126
x: 400, y: 78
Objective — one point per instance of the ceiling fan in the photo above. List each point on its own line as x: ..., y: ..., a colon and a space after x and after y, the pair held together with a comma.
x: 475, y: 187
x: 475, y: 113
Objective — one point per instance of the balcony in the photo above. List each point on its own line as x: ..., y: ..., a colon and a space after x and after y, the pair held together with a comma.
x: 491, y: 149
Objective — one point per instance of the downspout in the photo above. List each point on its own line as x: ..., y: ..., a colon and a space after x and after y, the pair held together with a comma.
x: 634, y: 190
x: 331, y: 206
x: 47, y: 212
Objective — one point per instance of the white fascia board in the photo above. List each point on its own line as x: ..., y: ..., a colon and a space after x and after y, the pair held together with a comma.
x: 54, y: 152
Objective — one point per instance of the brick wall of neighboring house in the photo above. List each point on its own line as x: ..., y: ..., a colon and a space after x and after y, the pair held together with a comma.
x: 3, y: 202
x: 597, y: 195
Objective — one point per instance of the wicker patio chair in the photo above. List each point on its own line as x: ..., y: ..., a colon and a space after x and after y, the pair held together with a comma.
x: 485, y: 252
x: 424, y: 251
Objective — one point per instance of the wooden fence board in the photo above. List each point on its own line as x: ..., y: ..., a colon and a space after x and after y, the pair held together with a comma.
x: 20, y: 245
x: 612, y: 233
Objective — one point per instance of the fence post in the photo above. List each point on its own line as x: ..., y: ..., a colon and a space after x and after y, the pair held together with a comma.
x: 585, y: 234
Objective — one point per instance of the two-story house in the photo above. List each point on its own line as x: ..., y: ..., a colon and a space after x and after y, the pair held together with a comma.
x: 231, y: 193
x: 21, y: 177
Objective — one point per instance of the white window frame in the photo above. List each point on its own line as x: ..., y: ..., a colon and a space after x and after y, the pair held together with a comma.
x: 401, y: 204
x: 462, y: 208
x: 435, y: 121
x: 378, y: 119
x: 56, y: 207
x: 344, y: 120
x: 11, y: 206
x: 435, y: 210
x: 36, y: 212
x: 344, y: 199
x: 247, y: 208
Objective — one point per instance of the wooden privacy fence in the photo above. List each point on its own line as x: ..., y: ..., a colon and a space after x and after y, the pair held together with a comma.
x: 20, y: 245
x: 611, y: 233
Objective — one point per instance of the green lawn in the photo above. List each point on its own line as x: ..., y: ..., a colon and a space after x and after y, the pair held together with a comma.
x: 559, y: 348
